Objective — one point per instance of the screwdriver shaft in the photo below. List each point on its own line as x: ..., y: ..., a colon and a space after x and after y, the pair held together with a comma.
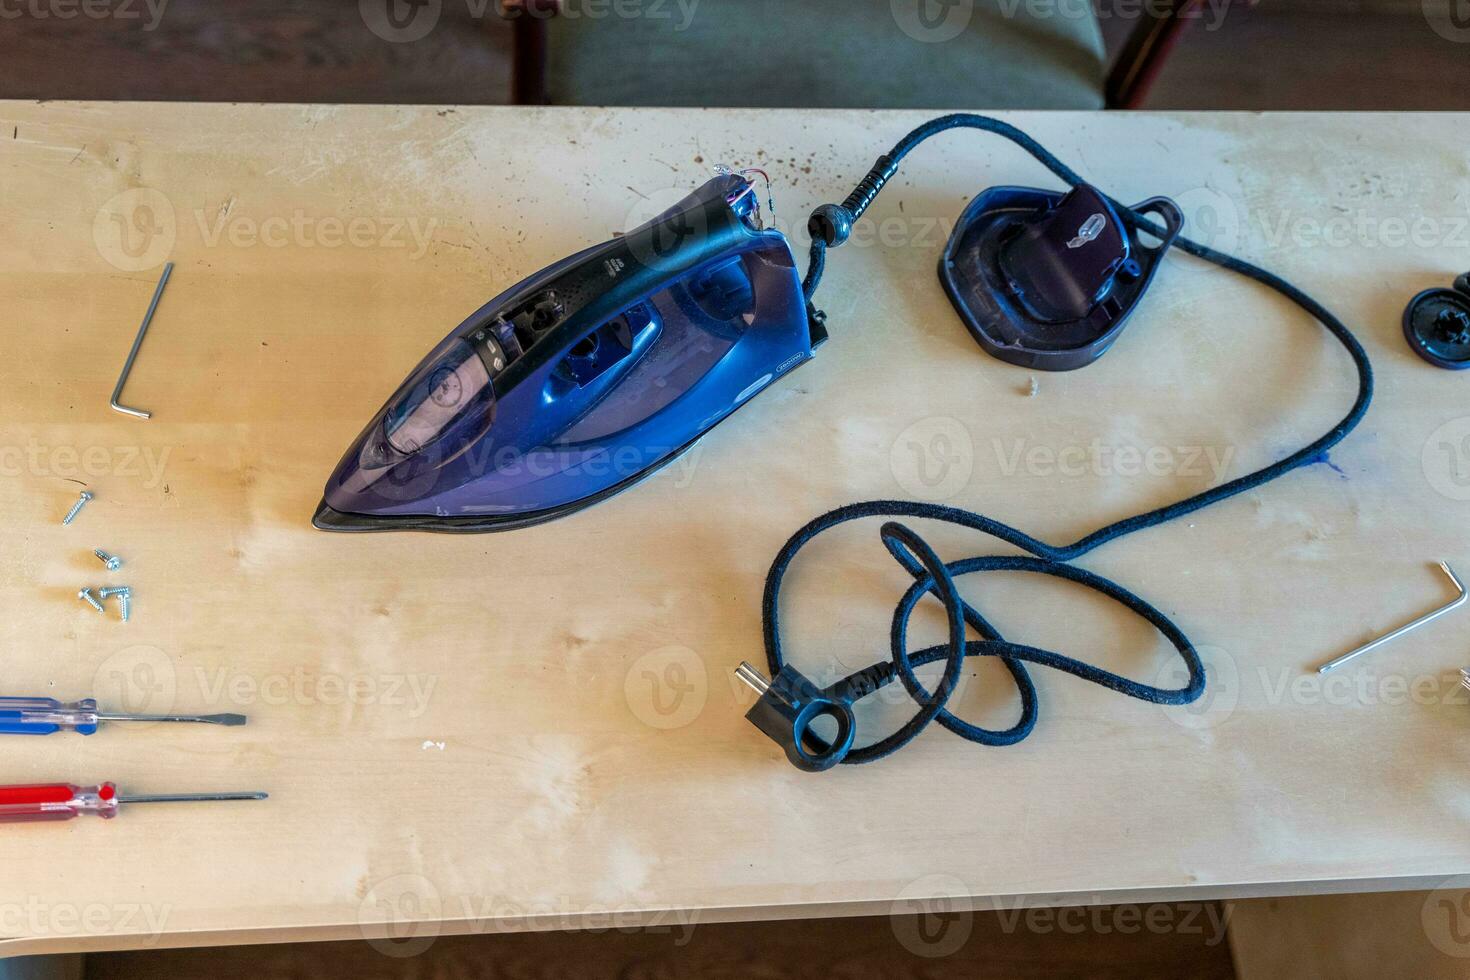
x: 191, y: 797
x: 220, y: 719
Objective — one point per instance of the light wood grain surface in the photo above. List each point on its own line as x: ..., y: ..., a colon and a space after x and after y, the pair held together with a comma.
x: 540, y: 729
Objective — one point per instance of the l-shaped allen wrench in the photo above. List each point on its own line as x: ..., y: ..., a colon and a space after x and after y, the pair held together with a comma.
x: 137, y: 343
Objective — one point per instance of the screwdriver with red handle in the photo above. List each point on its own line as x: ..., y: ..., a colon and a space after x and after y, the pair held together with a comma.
x: 63, y: 801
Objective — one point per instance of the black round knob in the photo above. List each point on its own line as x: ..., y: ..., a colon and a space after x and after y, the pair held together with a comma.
x: 1437, y: 325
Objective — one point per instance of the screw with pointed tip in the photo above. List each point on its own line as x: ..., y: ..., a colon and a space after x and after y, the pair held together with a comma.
x: 86, y: 596
x: 124, y: 597
x: 112, y: 562
x: 71, y: 515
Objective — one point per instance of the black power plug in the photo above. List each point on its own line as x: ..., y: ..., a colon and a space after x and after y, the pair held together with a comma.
x: 786, y: 709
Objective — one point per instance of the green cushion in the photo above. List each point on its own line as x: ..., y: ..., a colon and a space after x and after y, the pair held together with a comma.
x: 930, y: 54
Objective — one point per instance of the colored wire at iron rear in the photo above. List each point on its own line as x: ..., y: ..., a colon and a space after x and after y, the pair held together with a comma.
x: 932, y: 576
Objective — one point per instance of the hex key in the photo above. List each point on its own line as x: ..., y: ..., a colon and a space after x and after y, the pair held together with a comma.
x: 1374, y: 644
x: 137, y: 343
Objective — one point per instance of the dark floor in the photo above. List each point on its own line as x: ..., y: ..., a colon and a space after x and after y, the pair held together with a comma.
x: 1103, y: 943
x: 1300, y: 54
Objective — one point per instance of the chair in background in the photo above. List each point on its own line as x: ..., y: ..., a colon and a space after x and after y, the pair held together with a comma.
x: 932, y: 54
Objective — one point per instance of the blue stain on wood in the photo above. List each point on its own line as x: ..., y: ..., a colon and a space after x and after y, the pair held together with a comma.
x: 1325, y: 459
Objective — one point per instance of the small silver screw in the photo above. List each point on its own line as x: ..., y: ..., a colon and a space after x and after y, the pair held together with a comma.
x: 124, y: 597
x: 86, y: 596
x: 112, y: 562
x: 71, y: 515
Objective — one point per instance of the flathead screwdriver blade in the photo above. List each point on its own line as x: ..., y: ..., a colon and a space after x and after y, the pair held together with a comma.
x: 227, y: 719
x: 191, y: 797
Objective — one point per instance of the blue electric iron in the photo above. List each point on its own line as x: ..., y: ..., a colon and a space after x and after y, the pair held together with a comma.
x: 584, y: 378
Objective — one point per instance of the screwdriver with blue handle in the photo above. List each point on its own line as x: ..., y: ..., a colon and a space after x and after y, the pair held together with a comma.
x: 43, y: 716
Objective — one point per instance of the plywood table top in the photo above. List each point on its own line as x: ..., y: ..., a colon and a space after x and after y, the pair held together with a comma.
x: 541, y: 729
